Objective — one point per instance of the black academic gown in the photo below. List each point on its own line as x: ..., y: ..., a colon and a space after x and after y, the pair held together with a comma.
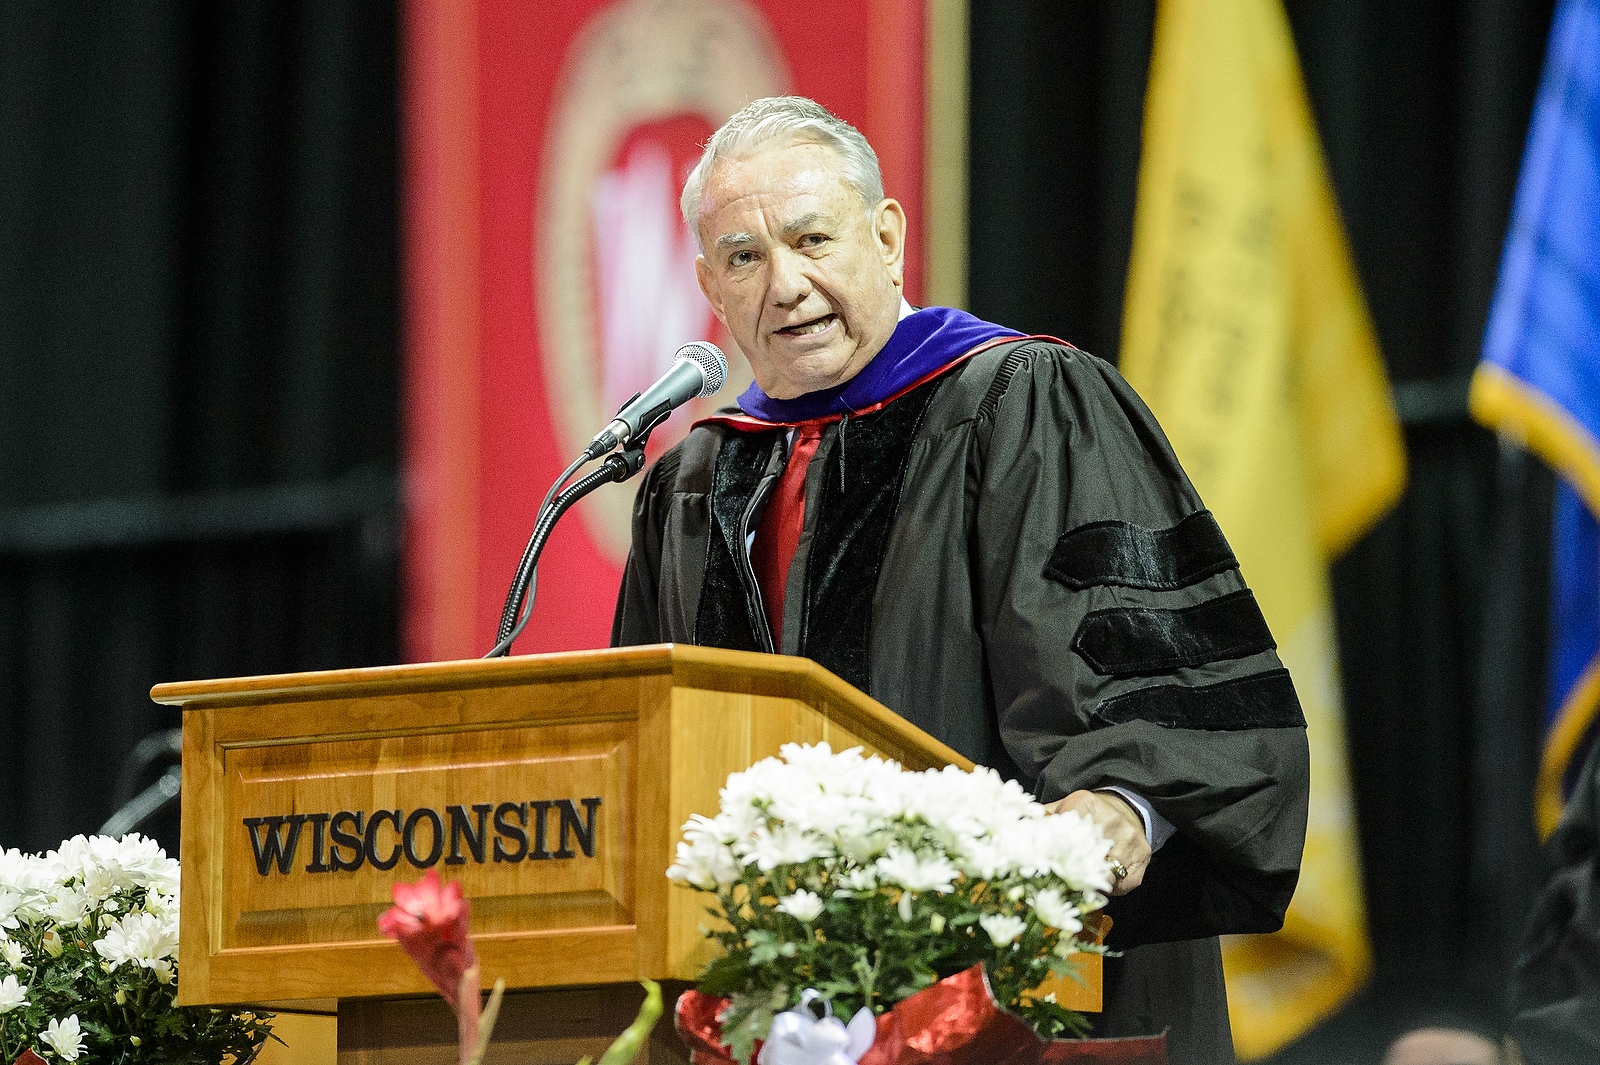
x: 1011, y: 558
x: 1555, y: 983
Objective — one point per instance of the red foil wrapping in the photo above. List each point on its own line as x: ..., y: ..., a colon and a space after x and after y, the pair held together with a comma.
x: 954, y: 1022
x: 29, y: 1058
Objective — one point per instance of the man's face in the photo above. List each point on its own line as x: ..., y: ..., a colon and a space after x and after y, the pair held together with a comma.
x: 804, y: 277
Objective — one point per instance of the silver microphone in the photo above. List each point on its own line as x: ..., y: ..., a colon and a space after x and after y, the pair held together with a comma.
x: 698, y: 370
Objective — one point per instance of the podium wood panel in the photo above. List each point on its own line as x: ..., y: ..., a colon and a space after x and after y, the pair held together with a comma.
x: 556, y: 1027
x: 296, y: 788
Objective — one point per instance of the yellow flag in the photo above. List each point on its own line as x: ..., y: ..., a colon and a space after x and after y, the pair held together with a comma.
x: 1247, y: 334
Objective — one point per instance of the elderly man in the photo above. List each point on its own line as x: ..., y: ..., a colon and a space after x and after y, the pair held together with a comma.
x: 990, y: 535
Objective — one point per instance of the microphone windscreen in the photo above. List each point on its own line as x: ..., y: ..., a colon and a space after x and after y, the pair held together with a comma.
x: 711, y: 362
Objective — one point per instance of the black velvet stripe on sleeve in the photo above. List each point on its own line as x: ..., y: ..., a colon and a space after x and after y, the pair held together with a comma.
x: 1261, y: 700
x: 725, y: 618
x: 1121, y: 553
x: 1140, y: 641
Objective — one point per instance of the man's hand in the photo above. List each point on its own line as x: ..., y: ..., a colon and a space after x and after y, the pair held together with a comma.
x: 1121, y: 824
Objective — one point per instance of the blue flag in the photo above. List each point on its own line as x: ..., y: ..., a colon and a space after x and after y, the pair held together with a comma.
x: 1539, y: 380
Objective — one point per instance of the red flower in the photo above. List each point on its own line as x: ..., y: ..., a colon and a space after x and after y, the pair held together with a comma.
x: 429, y: 918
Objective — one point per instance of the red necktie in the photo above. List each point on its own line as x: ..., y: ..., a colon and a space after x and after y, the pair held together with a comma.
x: 779, y: 534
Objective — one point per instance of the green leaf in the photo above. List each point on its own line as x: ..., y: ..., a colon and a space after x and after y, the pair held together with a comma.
x: 626, y: 1046
x: 726, y: 975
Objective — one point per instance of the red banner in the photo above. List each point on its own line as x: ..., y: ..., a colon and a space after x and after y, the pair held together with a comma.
x: 548, y: 274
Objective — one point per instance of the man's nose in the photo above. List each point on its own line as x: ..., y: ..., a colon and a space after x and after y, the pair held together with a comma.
x: 789, y: 283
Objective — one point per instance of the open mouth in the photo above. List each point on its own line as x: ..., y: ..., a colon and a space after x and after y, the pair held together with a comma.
x: 816, y: 325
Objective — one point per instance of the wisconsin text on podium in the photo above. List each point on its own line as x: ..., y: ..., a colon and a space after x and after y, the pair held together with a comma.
x: 350, y: 838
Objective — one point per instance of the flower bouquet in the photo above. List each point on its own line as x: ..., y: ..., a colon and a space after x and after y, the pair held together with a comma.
x: 88, y: 962
x: 913, y: 904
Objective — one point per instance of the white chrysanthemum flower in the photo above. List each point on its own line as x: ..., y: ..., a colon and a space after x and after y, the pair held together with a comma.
x: 804, y: 905
x: 14, y: 868
x: 100, y: 882
x: 161, y: 903
x: 64, y: 1037
x: 12, y: 954
x: 10, y: 902
x: 1003, y: 928
x: 143, y: 939
x: 143, y: 861
x: 132, y: 861
x: 750, y: 788
x: 25, y: 873
x: 768, y: 848
x: 69, y: 860
x: 867, y: 842
x: 846, y: 772
x: 68, y: 907
x: 915, y: 873
x: 811, y: 790
x: 704, y: 860
x: 981, y: 802
x: 1054, y: 910
x: 104, y: 865
x: 12, y: 994
x: 1075, y: 850
x: 979, y: 859
x: 830, y: 815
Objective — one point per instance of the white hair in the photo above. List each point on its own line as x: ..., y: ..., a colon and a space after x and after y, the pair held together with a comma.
x: 781, y: 119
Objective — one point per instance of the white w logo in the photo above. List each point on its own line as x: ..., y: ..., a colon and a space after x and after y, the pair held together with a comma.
x: 649, y: 300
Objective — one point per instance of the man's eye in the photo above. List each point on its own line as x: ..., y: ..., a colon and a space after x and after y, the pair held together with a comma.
x: 741, y: 258
x: 812, y: 240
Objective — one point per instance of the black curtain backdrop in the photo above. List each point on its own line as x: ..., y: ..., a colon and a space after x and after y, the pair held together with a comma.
x: 1422, y: 108
x: 198, y: 356
x: 198, y: 364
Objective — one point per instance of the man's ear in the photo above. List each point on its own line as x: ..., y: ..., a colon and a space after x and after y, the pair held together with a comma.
x: 889, y: 224
x: 708, y: 285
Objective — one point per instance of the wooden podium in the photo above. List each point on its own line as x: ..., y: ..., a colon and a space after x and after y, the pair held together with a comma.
x: 553, y: 787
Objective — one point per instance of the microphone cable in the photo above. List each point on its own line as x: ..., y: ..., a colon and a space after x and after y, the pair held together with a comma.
x: 519, y: 599
x: 634, y: 424
x: 528, y: 564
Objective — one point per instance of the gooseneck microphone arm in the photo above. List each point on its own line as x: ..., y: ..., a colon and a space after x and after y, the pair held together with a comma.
x: 698, y: 371
x: 617, y: 467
